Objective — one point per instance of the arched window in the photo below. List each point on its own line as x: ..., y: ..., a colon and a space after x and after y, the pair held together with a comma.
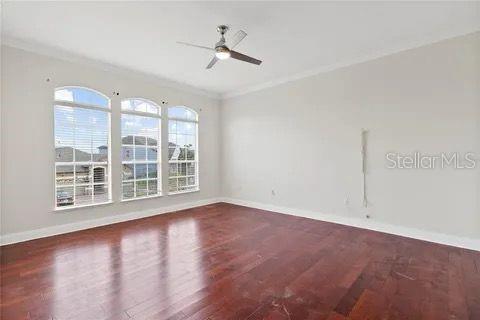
x: 82, y: 147
x: 141, y: 149
x: 182, y: 150
x: 82, y: 96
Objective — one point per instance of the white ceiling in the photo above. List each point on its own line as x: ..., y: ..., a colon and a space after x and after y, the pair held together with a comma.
x: 293, y: 39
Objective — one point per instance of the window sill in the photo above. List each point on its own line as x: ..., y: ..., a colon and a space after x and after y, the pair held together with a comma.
x: 142, y: 198
x: 68, y: 208
x: 183, y: 192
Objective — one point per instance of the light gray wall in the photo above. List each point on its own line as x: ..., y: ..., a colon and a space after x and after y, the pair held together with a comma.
x: 27, y: 156
x: 302, y: 139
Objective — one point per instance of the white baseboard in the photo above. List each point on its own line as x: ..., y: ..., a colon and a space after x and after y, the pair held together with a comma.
x: 462, y: 242
x: 82, y: 225
x: 451, y: 240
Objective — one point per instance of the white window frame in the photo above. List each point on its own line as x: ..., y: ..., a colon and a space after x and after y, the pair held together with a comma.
x: 108, y: 110
x: 196, y: 161
x: 157, y: 116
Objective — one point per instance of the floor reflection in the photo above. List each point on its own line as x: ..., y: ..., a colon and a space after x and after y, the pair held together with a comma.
x: 228, y: 262
x: 81, y: 279
x: 158, y: 265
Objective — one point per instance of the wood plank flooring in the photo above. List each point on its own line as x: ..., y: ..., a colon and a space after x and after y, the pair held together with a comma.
x: 229, y: 262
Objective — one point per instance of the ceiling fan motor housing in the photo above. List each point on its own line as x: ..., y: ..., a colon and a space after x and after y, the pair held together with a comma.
x: 220, y: 45
x: 222, y: 29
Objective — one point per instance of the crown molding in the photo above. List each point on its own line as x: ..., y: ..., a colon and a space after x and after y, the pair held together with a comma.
x: 61, y: 54
x: 68, y: 56
x: 342, y: 64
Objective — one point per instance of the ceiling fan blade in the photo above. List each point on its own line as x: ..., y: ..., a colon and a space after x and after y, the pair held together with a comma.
x: 196, y: 46
x: 237, y: 37
x: 214, y: 60
x: 241, y: 56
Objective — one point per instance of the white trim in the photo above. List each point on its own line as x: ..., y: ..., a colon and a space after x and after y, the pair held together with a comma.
x: 67, y: 208
x: 63, y: 103
x: 183, y: 120
x: 143, y: 197
x: 184, y: 191
x: 430, y: 236
x: 462, y: 242
x: 58, y: 53
x: 142, y: 114
x: 62, y: 54
x: 71, y: 227
x: 426, y: 41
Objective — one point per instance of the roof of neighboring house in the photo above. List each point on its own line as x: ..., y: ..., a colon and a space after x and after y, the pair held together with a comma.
x: 65, y: 154
x: 139, y: 140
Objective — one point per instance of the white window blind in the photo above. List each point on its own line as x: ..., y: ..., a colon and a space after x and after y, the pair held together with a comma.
x: 82, y: 147
x: 182, y: 150
x: 141, y: 149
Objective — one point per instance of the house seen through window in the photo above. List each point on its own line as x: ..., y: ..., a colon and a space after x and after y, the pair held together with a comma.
x: 141, y: 149
x: 82, y: 144
x: 182, y: 150
x: 82, y: 148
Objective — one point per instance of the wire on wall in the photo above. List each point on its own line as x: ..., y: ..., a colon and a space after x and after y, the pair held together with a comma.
x: 364, y: 134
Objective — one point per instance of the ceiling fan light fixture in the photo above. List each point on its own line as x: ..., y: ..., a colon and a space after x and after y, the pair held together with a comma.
x: 222, y: 53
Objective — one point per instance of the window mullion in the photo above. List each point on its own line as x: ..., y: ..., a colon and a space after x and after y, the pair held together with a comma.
x: 92, y: 172
x: 134, y: 168
x: 182, y: 161
x: 77, y: 135
x: 139, y: 149
x: 74, y: 154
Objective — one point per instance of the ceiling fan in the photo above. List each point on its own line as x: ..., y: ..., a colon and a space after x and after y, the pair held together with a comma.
x: 222, y: 51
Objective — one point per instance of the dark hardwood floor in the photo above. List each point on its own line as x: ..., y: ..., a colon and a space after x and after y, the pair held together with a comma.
x: 229, y: 262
